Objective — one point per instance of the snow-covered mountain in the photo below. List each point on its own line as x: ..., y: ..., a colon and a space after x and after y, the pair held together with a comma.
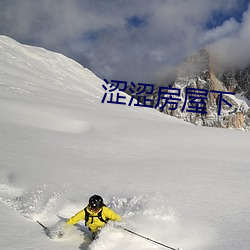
x: 199, y: 71
x: 182, y: 185
x: 237, y: 80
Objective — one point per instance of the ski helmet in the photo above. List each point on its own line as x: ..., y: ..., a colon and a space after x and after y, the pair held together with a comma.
x: 95, y: 202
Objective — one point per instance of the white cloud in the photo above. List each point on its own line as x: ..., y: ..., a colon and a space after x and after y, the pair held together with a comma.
x: 228, y: 28
x: 97, y: 33
x: 233, y: 50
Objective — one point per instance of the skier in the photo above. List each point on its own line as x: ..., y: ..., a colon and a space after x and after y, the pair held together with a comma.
x: 95, y: 214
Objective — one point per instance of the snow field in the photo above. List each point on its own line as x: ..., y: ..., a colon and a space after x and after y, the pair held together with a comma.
x: 181, y: 185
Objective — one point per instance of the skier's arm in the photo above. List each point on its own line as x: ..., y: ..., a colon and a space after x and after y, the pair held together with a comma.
x: 77, y: 217
x: 110, y: 214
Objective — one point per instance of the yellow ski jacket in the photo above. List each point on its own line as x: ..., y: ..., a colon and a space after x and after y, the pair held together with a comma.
x: 94, y: 223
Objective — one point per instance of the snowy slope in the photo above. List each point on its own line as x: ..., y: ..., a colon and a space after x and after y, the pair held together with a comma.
x: 179, y: 184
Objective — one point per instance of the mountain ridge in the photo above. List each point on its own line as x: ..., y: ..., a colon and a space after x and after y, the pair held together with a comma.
x: 198, y: 71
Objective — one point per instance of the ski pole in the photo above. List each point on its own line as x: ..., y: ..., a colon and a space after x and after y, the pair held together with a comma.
x: 45, y: 228
x: 146, y: 238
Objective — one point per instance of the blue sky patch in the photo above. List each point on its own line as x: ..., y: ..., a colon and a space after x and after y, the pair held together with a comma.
x: 136, y: 21
x: 219, y: 17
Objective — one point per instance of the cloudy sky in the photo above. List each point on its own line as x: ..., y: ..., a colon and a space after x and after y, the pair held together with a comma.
x: 131, y: 40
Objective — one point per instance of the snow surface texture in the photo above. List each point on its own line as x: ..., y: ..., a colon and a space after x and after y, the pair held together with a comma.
x: 179, y: 184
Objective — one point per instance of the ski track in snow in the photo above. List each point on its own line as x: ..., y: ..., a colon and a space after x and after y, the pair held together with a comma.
x: 42, y: 116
